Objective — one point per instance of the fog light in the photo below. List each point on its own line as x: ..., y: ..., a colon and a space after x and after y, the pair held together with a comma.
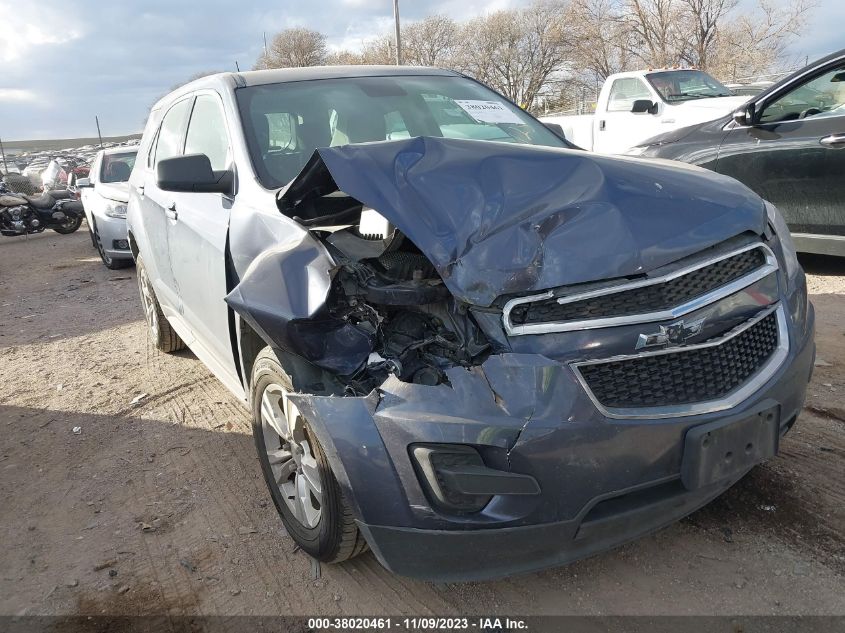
x: 120, y: 245
x: 456, y: 479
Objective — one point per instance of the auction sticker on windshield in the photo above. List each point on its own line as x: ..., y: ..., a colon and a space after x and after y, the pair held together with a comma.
x: 488, y: 111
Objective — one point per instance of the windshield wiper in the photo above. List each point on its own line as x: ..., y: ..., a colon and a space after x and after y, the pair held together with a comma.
x: 693, y: 95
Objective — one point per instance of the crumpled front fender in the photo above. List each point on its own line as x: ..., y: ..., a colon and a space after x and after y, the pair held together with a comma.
x: 490, y: 407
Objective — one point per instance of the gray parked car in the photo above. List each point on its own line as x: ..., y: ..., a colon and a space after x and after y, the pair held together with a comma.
x: 464, y: 343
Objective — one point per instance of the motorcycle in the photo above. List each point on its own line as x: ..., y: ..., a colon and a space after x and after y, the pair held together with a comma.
x: 24, y: 215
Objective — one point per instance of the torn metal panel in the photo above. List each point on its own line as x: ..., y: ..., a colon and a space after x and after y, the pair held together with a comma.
x: 284, y: 279
x: 562, y: 216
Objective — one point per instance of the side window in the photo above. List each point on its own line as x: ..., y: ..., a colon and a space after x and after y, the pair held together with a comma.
x: 170, y: 134
x: 624, y: 92
x: 823, y: 95
x: 207, y: 132
x: 151, y: 152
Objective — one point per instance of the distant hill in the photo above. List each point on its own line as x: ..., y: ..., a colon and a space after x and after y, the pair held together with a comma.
x: 17, y: 147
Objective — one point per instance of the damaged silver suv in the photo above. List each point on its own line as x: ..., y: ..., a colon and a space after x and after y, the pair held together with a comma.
x: 465, y: 344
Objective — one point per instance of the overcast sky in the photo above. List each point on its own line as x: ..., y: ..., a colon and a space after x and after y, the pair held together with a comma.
x: 63, y: 62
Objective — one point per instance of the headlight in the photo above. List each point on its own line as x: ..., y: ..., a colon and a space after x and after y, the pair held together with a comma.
x: 790, y: 257
x: 115, y: 210
x: 637, y: 151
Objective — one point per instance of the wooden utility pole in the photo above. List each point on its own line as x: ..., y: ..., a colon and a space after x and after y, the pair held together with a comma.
x: 3, y: 153
x: 398, y: 33
x: 100, y: 136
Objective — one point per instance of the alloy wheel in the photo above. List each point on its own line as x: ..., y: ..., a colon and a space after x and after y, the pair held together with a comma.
x: 290, y: 457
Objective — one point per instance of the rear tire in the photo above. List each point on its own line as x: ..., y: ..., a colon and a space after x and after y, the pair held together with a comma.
x: 164, y: 336
x: 324, y: 529
x: 70, y: 226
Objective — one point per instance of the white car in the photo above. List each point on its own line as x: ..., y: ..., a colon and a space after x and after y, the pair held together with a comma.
x: 104, y: 195
x: 634, y: 106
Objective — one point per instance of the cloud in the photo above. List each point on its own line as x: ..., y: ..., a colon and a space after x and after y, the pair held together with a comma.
x: 115, y: 59
x: 16, y: 94
x: 24, y: 27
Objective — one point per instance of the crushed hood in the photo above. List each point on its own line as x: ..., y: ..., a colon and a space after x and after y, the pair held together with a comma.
x: 498, y: 219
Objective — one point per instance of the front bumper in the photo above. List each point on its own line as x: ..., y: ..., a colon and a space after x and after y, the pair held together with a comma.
x: 603, y: 481
x: 451, y: 556
x: 112, y: 230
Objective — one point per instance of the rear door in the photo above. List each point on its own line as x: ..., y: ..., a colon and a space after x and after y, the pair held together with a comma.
x: 794, y: 155
x: 155, y: 206
x: 198, y: 229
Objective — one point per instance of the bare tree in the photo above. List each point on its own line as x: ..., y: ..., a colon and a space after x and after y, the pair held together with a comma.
x: 603, y: 40
x: 431, y: 42
x: 703, y: 19
x: 516, y: 51
x: 756, y: 42
x: 379, y: 51
x: 344, y: 58
x: 294, y: 47
x: 657, y: 30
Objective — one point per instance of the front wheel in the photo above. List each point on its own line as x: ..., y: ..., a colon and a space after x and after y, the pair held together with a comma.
x: 302, y: 485
x: 110, y: 262
x: 69, y: 225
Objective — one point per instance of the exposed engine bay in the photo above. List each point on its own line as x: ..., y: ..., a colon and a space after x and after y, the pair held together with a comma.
x: 386, y: 287
x: 419, y: 240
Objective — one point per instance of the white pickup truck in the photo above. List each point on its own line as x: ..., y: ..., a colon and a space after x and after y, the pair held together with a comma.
x: 634, y: 106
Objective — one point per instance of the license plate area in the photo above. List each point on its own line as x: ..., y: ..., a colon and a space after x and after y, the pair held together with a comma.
x: 724, y: 449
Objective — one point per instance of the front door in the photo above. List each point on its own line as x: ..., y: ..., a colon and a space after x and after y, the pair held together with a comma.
x: 618, y: 129
x: 794, y: 154
x: 199, y: 227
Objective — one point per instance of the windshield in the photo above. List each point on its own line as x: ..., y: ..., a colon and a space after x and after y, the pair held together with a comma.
x: 683, y: 85
x: 284, y: 123
x: 117, y: 167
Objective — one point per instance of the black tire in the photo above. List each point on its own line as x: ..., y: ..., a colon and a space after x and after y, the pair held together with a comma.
x: 164, y: 336
x: 70, y: 226
x: 109, y: 262
x: 335, y: 538
x: 91, y: 233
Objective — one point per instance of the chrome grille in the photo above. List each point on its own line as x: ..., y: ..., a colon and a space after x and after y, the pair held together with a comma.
x: 644, y: 300
x: 679, y: 381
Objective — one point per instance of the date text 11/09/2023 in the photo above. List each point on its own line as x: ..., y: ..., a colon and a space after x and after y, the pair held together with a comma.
x: 485, y: 624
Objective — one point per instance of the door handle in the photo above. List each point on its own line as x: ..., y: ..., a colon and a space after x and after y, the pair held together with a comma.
x: 140, y: 190
x: 834, y: 140
x: 170, y: 211
x: 602, y: 126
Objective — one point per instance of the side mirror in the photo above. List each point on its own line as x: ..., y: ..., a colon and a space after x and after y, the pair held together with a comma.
x: 192, y: 173
x: 555, y: 129
x: 83, y: 182
x: 644, y: 106
x: 744, y: 116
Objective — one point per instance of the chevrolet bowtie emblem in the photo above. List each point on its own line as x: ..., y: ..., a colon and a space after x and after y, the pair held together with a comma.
x: 673, y: 334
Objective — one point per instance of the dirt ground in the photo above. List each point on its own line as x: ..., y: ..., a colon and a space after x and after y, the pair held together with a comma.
x: 157, y: 505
